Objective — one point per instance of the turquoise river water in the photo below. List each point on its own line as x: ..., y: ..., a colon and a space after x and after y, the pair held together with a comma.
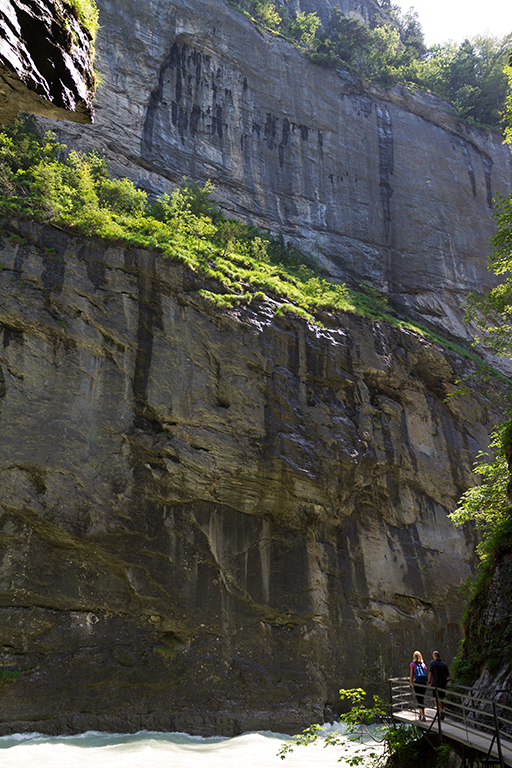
x: 160, y: 750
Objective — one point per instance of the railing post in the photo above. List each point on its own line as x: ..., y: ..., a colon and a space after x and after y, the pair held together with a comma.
x: 498, y: 740
x: 438, y: 714
x: 391, y: 701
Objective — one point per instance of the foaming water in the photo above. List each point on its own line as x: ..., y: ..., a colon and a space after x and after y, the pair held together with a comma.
x: 147, y: 749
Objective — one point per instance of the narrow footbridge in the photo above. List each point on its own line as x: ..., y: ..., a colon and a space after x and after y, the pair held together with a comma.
x: 476, y: 722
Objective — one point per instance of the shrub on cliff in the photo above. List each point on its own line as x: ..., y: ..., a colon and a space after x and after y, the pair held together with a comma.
x: 343, y: 38
x: 298, y: 26
x: 392, y: 50
x: 387, y: 52
x: 471, y: 76
x: 40, y: 179
x: 87, y: 13
x: 488, y: 504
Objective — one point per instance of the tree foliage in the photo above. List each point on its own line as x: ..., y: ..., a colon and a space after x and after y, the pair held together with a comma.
x: 492, y: 312
x: 392, y: 740
x: 392, y: 50
x: 508, y: 102
x: 487, y: 504
x: 299, y: 26
x: 470, y: 76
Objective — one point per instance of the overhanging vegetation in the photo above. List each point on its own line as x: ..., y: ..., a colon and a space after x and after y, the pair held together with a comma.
x: 87, y: 14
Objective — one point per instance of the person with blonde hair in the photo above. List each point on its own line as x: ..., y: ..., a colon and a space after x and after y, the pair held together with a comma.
x: 418, y: 678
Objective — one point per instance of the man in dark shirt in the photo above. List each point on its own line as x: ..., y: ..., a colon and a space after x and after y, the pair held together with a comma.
x: 438, y: 674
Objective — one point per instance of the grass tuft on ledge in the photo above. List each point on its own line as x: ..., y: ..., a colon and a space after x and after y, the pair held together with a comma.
x: 87, y: 14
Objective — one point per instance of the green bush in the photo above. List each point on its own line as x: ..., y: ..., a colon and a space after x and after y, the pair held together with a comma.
x: 488, y: 642
x: 87, y: 14
x: 343, y: 38
x: 122, y: 196
x: 488, y: 504
x: 303, y: 28
x: 8, y: 676
x: 298, y: 26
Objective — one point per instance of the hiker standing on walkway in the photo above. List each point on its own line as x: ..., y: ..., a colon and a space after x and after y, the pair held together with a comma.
x: 418, y: 679
x: 438, y: 674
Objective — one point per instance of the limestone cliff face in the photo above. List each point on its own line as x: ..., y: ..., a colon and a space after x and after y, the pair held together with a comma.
x: 45, y: 62
x: 382, y: 184
x: 212, y: 521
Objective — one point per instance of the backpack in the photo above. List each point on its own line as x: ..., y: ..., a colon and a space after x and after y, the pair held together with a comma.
x: 420, y: 672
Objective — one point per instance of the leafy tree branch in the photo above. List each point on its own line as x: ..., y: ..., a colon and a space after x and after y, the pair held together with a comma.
x: 368, y: 726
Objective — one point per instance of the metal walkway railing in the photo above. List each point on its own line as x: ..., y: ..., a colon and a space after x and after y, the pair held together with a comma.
x: 468, y: 717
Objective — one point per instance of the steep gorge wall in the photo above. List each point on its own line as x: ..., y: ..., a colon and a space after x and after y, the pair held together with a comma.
x: 383, y: 184
x: 210, y: 522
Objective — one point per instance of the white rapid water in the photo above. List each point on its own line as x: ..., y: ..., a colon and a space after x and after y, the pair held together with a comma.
x: 160, y: 750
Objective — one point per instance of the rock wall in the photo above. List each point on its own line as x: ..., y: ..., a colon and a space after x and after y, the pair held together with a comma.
x: 45, y: 62
x: 383, y: 185
x: 213, y: 521
x: 488, y: 635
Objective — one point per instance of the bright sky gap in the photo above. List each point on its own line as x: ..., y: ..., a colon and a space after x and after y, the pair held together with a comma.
x: 444, y: 20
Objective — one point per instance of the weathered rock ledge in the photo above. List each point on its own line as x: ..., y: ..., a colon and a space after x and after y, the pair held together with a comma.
x: 211, y: 522
x: 45, y: 62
